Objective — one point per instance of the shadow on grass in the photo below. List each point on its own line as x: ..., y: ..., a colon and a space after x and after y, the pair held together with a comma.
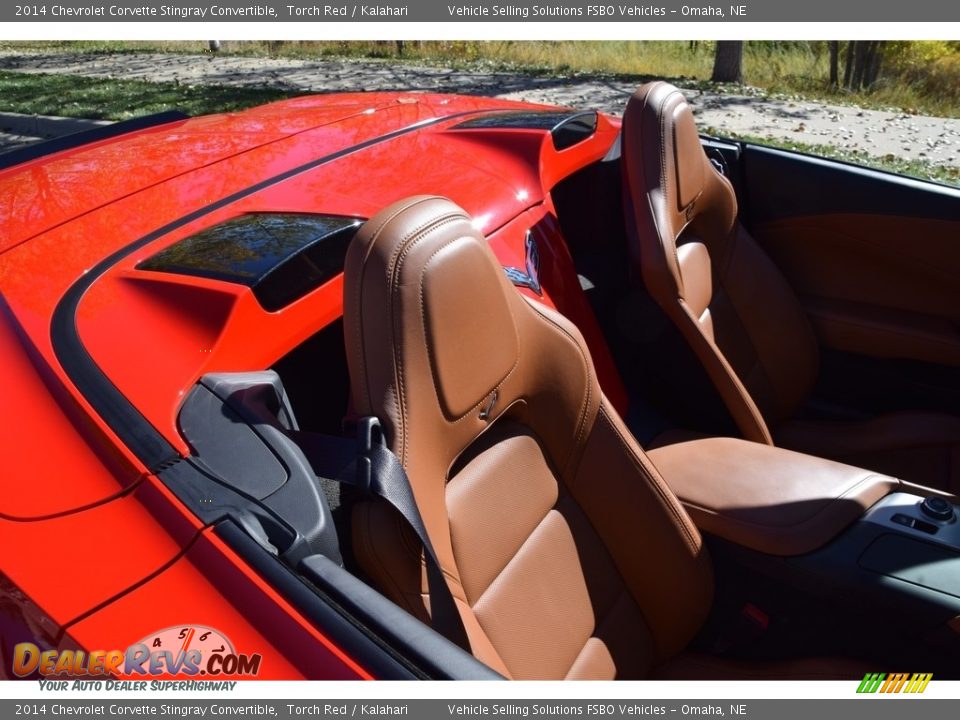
x: 109, y: 99
x: 69, y: 84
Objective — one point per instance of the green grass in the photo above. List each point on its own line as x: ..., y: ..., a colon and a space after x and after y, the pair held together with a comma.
x: 946, y: 174
x: 108, y: 99
x: 914, y: 79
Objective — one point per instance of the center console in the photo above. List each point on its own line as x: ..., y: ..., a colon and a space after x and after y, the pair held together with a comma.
x: 904, y: 553
x: 873, y: 546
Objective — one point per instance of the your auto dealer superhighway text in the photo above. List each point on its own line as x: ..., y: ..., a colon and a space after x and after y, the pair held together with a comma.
x: 170, y: 11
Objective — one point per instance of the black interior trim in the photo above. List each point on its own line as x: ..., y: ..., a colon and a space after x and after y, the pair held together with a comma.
x: 786, y: 184
x: 366, y: 649
x: 434, y: 655
x: 388, y: 642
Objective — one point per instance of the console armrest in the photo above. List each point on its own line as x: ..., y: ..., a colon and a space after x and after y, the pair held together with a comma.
x: 775, y: 501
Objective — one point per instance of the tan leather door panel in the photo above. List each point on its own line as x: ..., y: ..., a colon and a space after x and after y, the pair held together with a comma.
x: 875, y: 285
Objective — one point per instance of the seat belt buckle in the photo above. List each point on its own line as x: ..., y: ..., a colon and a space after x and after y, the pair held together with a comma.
x: 753, y: 617
x: 746, y: 628
x: 369, y: 434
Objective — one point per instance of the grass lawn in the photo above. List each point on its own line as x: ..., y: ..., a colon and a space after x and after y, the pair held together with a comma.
x: 106, y: 99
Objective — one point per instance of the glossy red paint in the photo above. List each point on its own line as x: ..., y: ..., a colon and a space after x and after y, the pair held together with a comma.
x: 200, y: 589
x: 107, y: 551
x: 50, y: 467
x: 120, y: 533
x: 41, y: 195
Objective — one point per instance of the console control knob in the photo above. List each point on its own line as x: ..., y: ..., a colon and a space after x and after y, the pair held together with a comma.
x: 936, y: 508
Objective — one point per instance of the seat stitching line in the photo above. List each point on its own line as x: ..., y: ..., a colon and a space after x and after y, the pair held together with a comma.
x: 409, y: 241
x: 360, y: 353
x: 552, y: 508
x: 656, y: 484
x: 581, y: 427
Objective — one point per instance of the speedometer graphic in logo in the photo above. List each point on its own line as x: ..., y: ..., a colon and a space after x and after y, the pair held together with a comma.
x: 191, y: 650
x: 184, y: 638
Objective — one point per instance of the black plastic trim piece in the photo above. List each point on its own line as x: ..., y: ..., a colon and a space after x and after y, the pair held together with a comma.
x: 784, y: 184
x: 367, y: 650
x: 615, y: 151
x: 86, y: 137
x: 335, y: 600
x: 566, y: 127
x: 518, y: 120
x: 132, y: 428
x: 433, y: 655
x: 234, y: 425
x: 574, y: 129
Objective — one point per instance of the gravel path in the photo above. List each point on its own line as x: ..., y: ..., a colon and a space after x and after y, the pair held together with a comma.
x: 876, y: 132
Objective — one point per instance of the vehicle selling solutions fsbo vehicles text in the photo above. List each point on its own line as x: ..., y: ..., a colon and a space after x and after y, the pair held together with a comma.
x: 590, y: 11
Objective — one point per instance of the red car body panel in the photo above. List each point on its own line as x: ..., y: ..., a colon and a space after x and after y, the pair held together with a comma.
x: 95, y: 539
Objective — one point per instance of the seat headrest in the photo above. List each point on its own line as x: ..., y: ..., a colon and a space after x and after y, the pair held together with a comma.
x: 469, y: 327
x: 660, y: 136
x: 670, y: 185
x: 423, y: 283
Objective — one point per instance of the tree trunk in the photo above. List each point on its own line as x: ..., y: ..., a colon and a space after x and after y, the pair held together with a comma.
x: 728, y: 62
x: 872, y: 68
x: 859, y: 64
x: 834, y: 46
x: 848, y: 63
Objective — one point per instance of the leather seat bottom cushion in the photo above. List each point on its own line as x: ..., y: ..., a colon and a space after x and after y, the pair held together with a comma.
x: 922, y: 448
x: 698, y: 666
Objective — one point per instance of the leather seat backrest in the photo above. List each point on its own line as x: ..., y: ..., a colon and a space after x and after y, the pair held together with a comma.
x: 698, y: 262
x: 566, y: 553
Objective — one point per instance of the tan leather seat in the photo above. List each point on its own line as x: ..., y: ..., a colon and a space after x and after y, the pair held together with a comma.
x: 737, y: 311
x: 567, y: 554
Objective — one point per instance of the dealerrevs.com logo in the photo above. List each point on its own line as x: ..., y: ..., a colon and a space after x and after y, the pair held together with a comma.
x: 188, y: 650
x: 910, y: 683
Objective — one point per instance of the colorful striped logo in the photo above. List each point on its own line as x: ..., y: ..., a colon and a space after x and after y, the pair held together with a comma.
x: 894, y: 682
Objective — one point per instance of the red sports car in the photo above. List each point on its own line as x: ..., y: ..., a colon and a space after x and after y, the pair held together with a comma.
x: 394, y: 385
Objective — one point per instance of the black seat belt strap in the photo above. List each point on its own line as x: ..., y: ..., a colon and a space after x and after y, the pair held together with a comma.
x: 379, y: 472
